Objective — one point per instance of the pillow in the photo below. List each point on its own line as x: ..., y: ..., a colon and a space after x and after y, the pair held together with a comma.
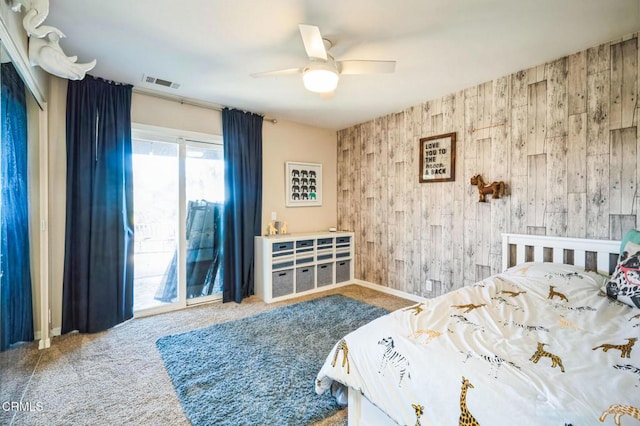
x: 633, y: 236
x: 624, y: 284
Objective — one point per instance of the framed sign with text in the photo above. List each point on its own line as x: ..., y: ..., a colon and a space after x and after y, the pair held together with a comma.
x: 438, y: 158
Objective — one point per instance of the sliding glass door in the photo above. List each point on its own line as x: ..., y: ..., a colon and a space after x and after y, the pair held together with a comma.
x: 204, y: 189
x: 178, y: 199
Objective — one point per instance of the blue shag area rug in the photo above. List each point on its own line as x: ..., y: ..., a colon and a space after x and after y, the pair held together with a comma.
x: 262, y: 369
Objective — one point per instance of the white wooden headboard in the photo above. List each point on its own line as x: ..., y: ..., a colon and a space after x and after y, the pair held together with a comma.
x: 600, y: 255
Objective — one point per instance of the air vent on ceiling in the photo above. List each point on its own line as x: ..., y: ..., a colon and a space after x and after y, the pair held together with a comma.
x: 160, y: 82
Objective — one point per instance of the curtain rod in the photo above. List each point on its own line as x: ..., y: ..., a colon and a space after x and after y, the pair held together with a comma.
x: 192, y: 102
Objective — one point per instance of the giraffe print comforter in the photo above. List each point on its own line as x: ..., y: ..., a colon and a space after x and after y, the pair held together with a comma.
x: 539, y: 344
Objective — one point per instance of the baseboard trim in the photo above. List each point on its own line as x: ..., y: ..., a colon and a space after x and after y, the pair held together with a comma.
x: 57, y: 331
x: 45, y: 343
x: 391, y: 291
x: 37, y: 335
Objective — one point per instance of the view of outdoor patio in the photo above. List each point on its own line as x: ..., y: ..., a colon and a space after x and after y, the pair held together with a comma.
x: 156, y: 194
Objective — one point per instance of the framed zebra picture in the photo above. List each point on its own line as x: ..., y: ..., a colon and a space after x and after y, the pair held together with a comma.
x: 303, y: 184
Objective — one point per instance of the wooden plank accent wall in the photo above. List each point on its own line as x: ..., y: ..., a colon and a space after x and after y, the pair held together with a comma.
x: 562, y: 135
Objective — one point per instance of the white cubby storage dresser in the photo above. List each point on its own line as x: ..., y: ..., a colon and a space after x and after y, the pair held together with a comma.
x: 289, y: 265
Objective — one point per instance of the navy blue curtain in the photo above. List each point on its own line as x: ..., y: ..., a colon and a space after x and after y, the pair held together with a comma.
x: 98, y: 266
x: 16, y: 310
x: 242, y: 137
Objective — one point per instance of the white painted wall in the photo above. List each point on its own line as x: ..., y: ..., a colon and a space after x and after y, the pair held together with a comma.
x: 287, y: 141
x: 57, y: 195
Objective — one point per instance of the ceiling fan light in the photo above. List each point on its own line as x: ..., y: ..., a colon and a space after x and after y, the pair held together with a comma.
x: 320, y: 80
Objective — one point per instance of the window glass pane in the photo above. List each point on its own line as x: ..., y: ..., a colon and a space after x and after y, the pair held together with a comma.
x: 204, y: 176
x: 155, y: 190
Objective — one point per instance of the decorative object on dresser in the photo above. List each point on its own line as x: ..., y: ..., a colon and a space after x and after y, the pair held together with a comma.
x: 496, y: 189
x: 438, y: 158
x: 303, y: 184
x: 287, y: 266
x: 276, y: 228
x: 271, y: 228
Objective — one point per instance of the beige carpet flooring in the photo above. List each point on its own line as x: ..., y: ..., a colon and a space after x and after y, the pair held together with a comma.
x: 117, y: 377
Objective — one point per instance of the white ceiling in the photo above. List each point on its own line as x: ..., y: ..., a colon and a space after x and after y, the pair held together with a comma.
x: 210, y: 47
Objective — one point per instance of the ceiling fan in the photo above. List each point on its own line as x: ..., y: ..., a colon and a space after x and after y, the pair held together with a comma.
x: 322, y: 73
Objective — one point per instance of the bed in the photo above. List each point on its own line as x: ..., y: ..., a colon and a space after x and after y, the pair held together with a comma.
x: 538, y: 344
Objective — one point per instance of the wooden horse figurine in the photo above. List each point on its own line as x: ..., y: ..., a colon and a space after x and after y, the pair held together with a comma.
x: 496, y: 188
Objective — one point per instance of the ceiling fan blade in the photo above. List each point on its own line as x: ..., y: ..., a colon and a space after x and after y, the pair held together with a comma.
x: 313, y: 43
x: 276, y: 73
x: 366, y: 67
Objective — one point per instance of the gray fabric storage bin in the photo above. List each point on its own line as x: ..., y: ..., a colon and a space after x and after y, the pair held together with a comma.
x: 343, y: 240
x: 325, y: 242
x: 282, y: 283
x: 343, y: 271
x: 282, y: 246
x: 305, y: 278
x: 302, y: 244
x: 282, y: 265
x: 325, y: 274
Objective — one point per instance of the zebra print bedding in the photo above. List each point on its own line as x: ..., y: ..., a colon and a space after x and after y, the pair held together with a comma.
x: 540, y: 344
